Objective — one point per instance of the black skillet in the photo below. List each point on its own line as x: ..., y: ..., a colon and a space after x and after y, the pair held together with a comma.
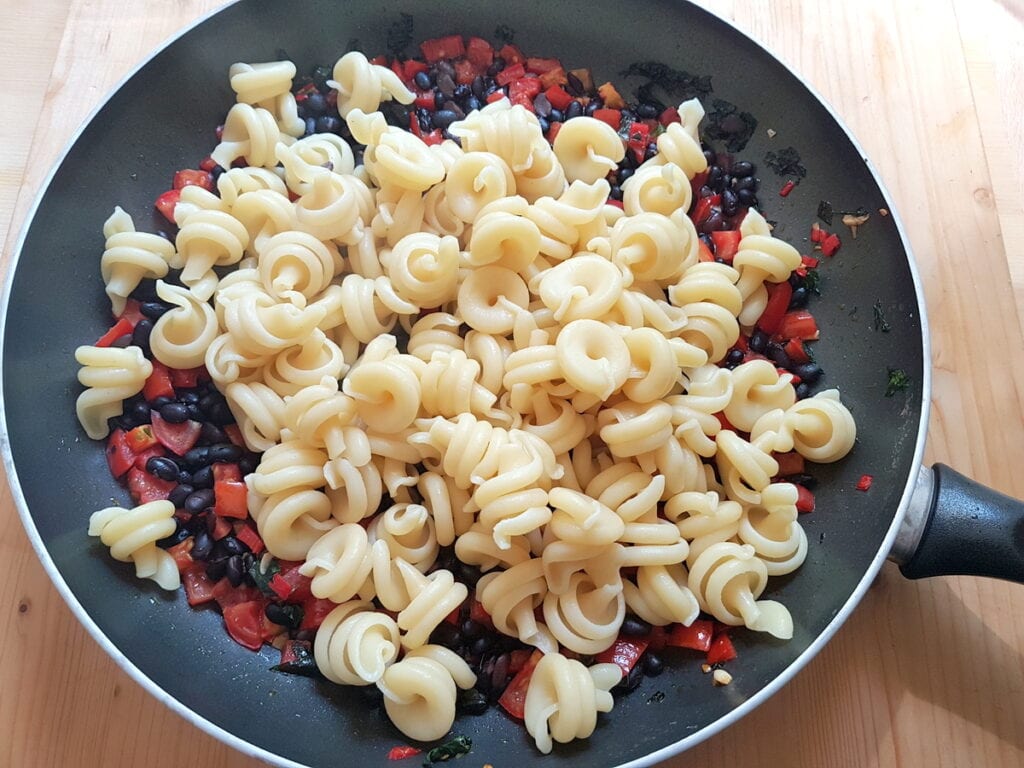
x: 161, y: 119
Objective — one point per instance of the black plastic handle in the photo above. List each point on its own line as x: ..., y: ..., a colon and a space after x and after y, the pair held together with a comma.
x: 970, y: 530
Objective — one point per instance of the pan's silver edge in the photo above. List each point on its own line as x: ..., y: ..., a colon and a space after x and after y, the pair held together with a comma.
x: 890, y: 537
x: 12, y: 476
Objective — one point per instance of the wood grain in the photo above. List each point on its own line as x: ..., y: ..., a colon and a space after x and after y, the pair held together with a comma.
x: 924, y: 673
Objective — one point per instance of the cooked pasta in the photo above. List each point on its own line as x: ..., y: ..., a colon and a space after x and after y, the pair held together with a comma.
x: 132, y: 534
x: 130, y: 256
x: 110, y: 376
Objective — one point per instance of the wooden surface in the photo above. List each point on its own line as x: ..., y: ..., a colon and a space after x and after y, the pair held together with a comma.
x: 924, y: 674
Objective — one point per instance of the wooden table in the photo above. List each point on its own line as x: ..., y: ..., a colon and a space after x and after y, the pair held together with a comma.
x: 924, y: 674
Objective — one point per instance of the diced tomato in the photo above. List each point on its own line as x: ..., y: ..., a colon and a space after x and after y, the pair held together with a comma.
x: 614, y: 203
x: 611, y: 96
x: 122, y: 327
x: 208, y: 163
x: 159, y: 382
x: 498, y: 95
x: 450, y: 47
x: 656, y: 639
x: 809, y: 262
x: 639, y: 137
x: 721, y: 650
x: 144, y: 456
x: 553, y: 77
x: 697, y: 636
x: 411, y: 68
x: 424, y: 100
x: 787, y: 188
x: 145, y: 487
x: 397, y: 67
x: 511, y: 54
x: 625, y: 652
x: 727, y: 244
x: 188, y: 378
x: 791, y: 463
x: 140, y: 438
x: 234, y: 433
x: 779, y: 296
x: 248, y: 536
x: 539, y: 66
x: 553, y: 131
x: 703, y: 252
x: 804, y: 499
x: 177, y: 438
x: 223, y: 471
x: 119, y: 454
x: 612, y: 117
x: 518, y: 659
x: 166, y: 202
x: 669, y: 116
x: 182, y: 554
x: 559, y: 97
x: 280, y: 586
x: 478, y: 614
x: 830, y: 245
x: 401, y: 753
x: 513, y: 700
x: 227, y: 595
x: 268, y: 629
x: 221, y: 528
x: 299, y: 584
x: 230, y: 496
x: 479, y: 52
x: 314, y: 611
x: 189, y: 177
x: 131, y: 312
x: 703, y: 209
x: 796, y: 352
x: 465, y: 72
x: 510, y: 74
x: 724, y: 421
x: 743, y: 343
x: 380, y: 61
x: 244, y: 622
x: 198, y: 587
x: 798, y: 324
x: 434, y: 137
x: 864, y: 484
x: 523, y: 91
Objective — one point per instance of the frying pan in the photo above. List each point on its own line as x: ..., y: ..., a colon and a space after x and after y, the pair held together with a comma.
x: 160, y: 120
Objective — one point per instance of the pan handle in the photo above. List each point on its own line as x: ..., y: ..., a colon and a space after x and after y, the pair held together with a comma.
x: 955, y: 526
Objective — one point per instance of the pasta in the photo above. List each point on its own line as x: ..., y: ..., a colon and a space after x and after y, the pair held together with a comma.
x: 132, y: 534
x: 110, y: 376
x: 130, y: 256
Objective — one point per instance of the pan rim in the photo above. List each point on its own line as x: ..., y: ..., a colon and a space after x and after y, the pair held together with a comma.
x: 249, y: 749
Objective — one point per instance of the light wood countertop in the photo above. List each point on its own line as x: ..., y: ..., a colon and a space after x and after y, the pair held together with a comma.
x: 925, y: 674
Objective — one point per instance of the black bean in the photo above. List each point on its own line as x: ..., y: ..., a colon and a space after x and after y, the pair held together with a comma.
x: 225, y: 453
x: 188, y: 396
x: 808, y: 372
x: 422, y: 81
x: 178, y: 495
x: 472, y: 702
x: 710, y: 157
x: 730, y: 202
x: 202, y: 546
x: 496, y: 66
x: 180, y: 534
x: 310, y: 128
x: 743, y: 168
x: 220, y: 414
x: 247, y: 465
x: 747, y: 198
x: 653, y: 665
x: 735, y: 357
x: 714, y: 222
x: 747, y: 182
x: 575, y: 85
x: 162, y: 467
x: 212, y: 434
x: 473, y: 104
x: 499, y: 675
x: 542, y: 106
x: 146, y: 289
x: 315, y: 104
x: 159, y: 402
x: 439, y: 100
x: 462, y: 92
x: 758, y: 341
x: 443, y: 118
x: 615, y: 193
x: 469, y: 574
x: 197, y: 457
x: 545, y: 124
x: 327, y: 124
x: 799, y: 298
x: 632, y: 680
x: 446, y: 634
x: 203, y: 477
x: 593, y: 106
x: 716, y: 178
x: 451, y: 106
x: 556, y: 116
x: 233, y: 546
x: 651, y: 151
x: 140, y: 336
x: 778, y: 355
x: 446, y: 85
x: 472, y: 629
x: 647, y: 111
x: 175, y: 413
x: 575, y: 109
x: 803, y: 390
x: 477, y: 87
x: 482, y: 644
x: 199, y: 500
x: 215, y: 569
x: 154, y: 310
x: 234, y: 570
x: 705, y: 191
x: 623, y: 174
x: 634, y: 627
x: 139, y: 413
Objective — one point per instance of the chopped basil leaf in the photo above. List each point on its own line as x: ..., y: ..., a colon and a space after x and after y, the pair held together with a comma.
x: 898, y: 381
x: 812, y: 280
x: 400, y: 34
x: 262, y: 578
x: 727, y: 124
x: 675, y: 81
x: 881, y: 324
x: 460, y: 745
x: 503, y: 33
x: 825, y: 212
x: 656, y: 698
x: 785, y: 162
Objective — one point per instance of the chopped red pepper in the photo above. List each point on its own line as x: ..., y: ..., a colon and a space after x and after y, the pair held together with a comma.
x: 234, y: 434
x: 553, y: 131
x: 131, y: 312
x: 791, y: 463
x: 434, y: 137
x: 227, y: 595
x: 188, y: 378
x: 221, y: 528
x: 300, y: 584
x: 523, y: 91
x: 510, y: 73
x: 864, y: 484
x: 787, y: 188
x: 779, y: 296
x: 198, y: 587
x: 450, y: 47
x: 639, y: 137
x: 498, y: 95
x: 159, y: 382
x: 721, y: 649
x: 796, y: 352
x: 625, y: 652
x: 817, y: 233
x: 804, y: 499
x: 424, y: 100
x: 513, y: 700
x: 465, y: 72
x: 314, y: 611
x: 166, y: 202
x: 830, y: 245
x: 656, y: 639
x: 400, y: 753
x: 189, y: 177
x: 703, y: 252
x: 248, y: 536
x: 727, y: 244
x: 145, y: 488
x: 280, y: 586
x: 120, y: 456
x: 181, y: 552
x: 703, y: 209
x: 380, y: 61
x: 224, y: 471
x: 478, y: 614
x: 798, y: 324
x: 122, y: 327
x: 411, y: 68
x: 809, y: 262
x: 559, y: 97
x: 539, y: 66
x: 669, y: 116
x: 230, y: 499
x: 612, y: 117
x: 697, y: 636
x: 479, y: 52
x: 724, y: 421
x: 511, y: 54
x: 140, y: 438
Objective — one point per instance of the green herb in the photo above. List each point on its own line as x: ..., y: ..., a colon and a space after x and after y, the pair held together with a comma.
x: 726, y: 123
x: 898, y: 381
x: 625, y: 126
x: 657, y: 697
x: 400, y: 34
x: 785, y: 162
x: 300, y: 661
x: 812, y: 280
x: 503, y: 33
x: 881, y: 324
x: 825, y: 212
x: 262, y: 578
x: 645, y: 95
x: 460, y: 745
x: 675, y: 81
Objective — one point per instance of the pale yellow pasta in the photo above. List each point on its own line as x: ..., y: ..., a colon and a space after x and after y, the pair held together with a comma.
x: 432, y: 598
x: 323, y: 417
x: 295, y: 266
x: 654, y: 188
x: 269, y: 85
x: 504, y: 238
x: 587, y: 617
x: 491, y: 297
x: 290, y: 521
x: 262, y: 326
x: 556, y: 422
x: 386, y: 393
x: 400, y: 213
x: 355, y: 491
x: 110, y: 376
x: 585, y: 286
x: 661, y: 596
x: 227, y: 363
x: 510, y: 599
x: 477, y: 547
x: 332, y: 208
x: 474, y: 180
x: 435, y: 332
x: 703, y: 519
x: 339, y: 563
x: 592, y: 357
x: 181, y: 336
x: 636, y: 308
x: 632, y: 429
x: 357, y: 303
x: 447, y: 504
x: 544, y: 177
x: 304, y: 364
x: 132, y: 535
x: 510, y: 132
x: 745, y: 469
x: 304, y: 160
x: 776, y: 536
x: 655, y: 365
x: 408, y: 530
x: 819, y: 428
x: 355, y: 644
x: 581, y: 519
x: 760, y: 258
x: 680, y: 144
x: 362, y: 85
x: 564, y: 697
x: 394, y: 157
x: 236, y: 181
x: 424, y: 268
x: 206, y: 240
x: 130, y: 256
x: 757, y: 388
x: 650, y: 246
x: 491, y: 352
x: 250, y: 133
x: 627, y: 490
x: 438, y: 216
x: 515, y: 501
x: 588, y: 149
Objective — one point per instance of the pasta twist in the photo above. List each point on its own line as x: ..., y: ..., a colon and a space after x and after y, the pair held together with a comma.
x: 306, y: 159
x: 259, y: 411
x: 760, y: 257
x: 432, y: 598
x: 434, y: 332
x: 250, y: 133
x: 819, y: 428
x: 339, y: 563
x: 449, y: 386
x: 544, y: 178
x: 323, y: 417
x: 564, y: 697
x: 408, y: 530
x: 355, y: 644
x: 362, y: 85
x: 627, y: 490
x: 587, y: 617
x: 661, y: 595
x: 208, y: 239
x: 490, y: 299
x: 420, y: 691
x: 360, y: 304
x: 757, y: 388
x: 387, y: 393
x: 447, y: 504
x: 632, y: 429
x: 393, y: 157
x: 305, y: 364
x: 400, y: 213
x: 477, y: 547
x: 505, y: 238
x: 588, y: 149
x: 474, y: 180
x: 424, y: 268
x: 583, y: 287
x: 514, y: 501
x: 290, y: 521
x: 181, y: 336
x: 227, y: 363
x: 132, y: 534
x: 264, y: 213
x: 703, y: 519
x: 259, y: 325
x: 269, y: 86
x: 592, y: 357
x: 356, y: 491
x: 235, y: 182
x: 655, y: 364
x: 745, y: 469
x: 650, y: 246
x: 110, y: 375
x: 510, y: 132
x: 296, y: 267
x: 654, y: 188
x: 709, y: 297
x: 130, y: 256
x: 510, y: 599
x: 776, y: 536
x: 334, y: 208
x: 680, y: 143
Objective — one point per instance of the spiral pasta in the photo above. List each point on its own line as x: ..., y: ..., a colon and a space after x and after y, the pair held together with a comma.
x: 181, y: 336
x: 420, y: 691
x: 355, y: 644
x: 362, y: 85
x: 110, y: 375
x: 132, y: 534
x: 129, y: 256
x: 588, y: 149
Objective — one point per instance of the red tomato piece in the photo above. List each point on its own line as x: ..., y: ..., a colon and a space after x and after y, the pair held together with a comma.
x: 140, y: 438
x: 166, y: 202
x: 223, y: 471
x: 434, y: 137
x: 221, y: 528
x: 796, y: 352
x: 299, y: 584
x: 478, y: 614
x: 697, y: 636
x: 517, y: 660
x: 120, y: 456
x: 703, y: 252
x: 787, y: 188
x: 498, y: 95
x: 248, y: 536
x: 188, y: 378
x: 400, y: 753
x: 177, y: 438
x: 511, y: 54
x: 450, y: 47
x: 612, y: 117
x: 830, y: 245
x: 280, y: 586
x: 131, y: 312
x: 559, y: 97
x: 791, y: 463
x: 143, y: 456
x: 198, y: 587
x: 145, y: 488
x: 779, y: 296
x: 424, y: 100
x: 864, y: 484
x: 314, y: 611
x: 703, y: 209
x: 413, y: 67
x: 122, y: 327
x: 726, y: 244
x: 230, y: 499
x: 553, y: 131
x: 234, y: 433
x: 540, y: 66
x: 656, y: 639
x: 624, y: 652
x: 804, y: 499
x: 513, y: 700
x: 208, y: 163
x: 721, y: 650
x: 227, y: 595
x: 479, y: 53
x: 182, y: 554
x: 244, y: 622
x: 817, y: 233
x: 525, y: 87
x: 159, y: 382
x: 669, y: 116
x: 465, y: 72
x: 724, y: 421
x: 510, y: 74
x: 809, y: 262
x: 639, y: 137
x: 193, y: 178
x: 798, y: 324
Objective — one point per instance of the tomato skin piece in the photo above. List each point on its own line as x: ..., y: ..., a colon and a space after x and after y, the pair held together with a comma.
x: 703, y: 209
x: 144, y: 456
x: 198, y: 587
x: 523, y: 91
x: 624, y: 652
x: 401, y: 753
x: 314, y: 611
x: 727, y: 243
x: 465, y: 72
x: 221, y: 528
x: 181, y: 552
x: 248, y: 536
x: 513, y: 700
x: 230, y: 499
x: 479, y: 53
x: 166, y: 203
x: 145, y: 488
x: 478, y: 613
x: 639, y: 137
x: 511, y: 54
x: 559, y: 97
x: 539, y: 66
x: 669, y: 116
x: 804, y: 499
x: 612, y: 117
x: 553, y: 77
x: 796, y: 352
x: 140, y: 438
x: 189, y: 177
x: 227, y: 595
x: 450, y: 47
x: 244, y: 623
x: 798, y: 324
x: 704, y: 253
x: 721, y: 649
x: 188, y: 378
x: 177, y: 438
x: 159, y: 382
x: 779, y: 296
x: 510, y: 74
x: 120, y: 457
x: 864, y: 484
x: 697, y: 636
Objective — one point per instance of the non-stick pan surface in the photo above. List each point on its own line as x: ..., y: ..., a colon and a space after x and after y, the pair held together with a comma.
x: 162, y: 120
